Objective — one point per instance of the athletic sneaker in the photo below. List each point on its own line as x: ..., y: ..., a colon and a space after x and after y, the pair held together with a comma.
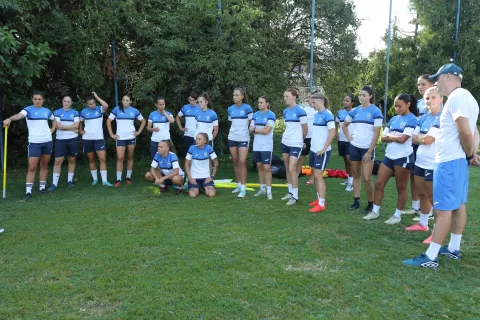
x: 163, y: 189
x: 52, y: 187
x: 309, y: 182
x: 94, y: 182
x: 43, y: 191
x: 344, y: 183
x: 417, y: 219
x: 117, y: 183
x: 179, y: 190
x: 27, y: 197
x: 417, y: 227
x: 355, y: 205
x: 422, y: 261
x: 367, y: 209
x: 313, y: 203
x: 393, y: 220
x: 317, y: 208
x: 291, y: 202
x: 106, y: 183
x: 236, y: 190
x: 269, y: 196
x: 260, y: 192
x: 128, y: 181
x: 288, y: 196
x: 70, y: 184
x: 411, y: 211
x: 2, y: 230
x: 455, y: 255
x: 349, y: 188
x: 242, y: 194
x: 371, y: 216
x: 428, y: 240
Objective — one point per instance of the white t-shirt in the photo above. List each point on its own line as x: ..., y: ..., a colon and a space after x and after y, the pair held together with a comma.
x: 398, y: 126
x: 66, y: 118
x: 460, y: 103
x: 263, y: 142
x: 428, y: 125
x: 93, y: 119
x: 294, y: 119
x: 125, y: 121
x: 310, y: 116
x: 37, y: 123
x: 364, y: 120
x: 200, y: 168
x: 158, y: 120
x: 240, y: 117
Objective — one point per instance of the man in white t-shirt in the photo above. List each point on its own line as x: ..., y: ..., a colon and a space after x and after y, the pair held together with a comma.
x: 455, y: 150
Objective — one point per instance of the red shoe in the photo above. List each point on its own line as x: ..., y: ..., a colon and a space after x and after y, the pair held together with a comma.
x: 417, y: 227
x: 117, y: 183
x: 313, y: 203
x: 428, y: 240
x: 317, y: 208
x: 128, y: 180
x: 164, y: 189
x: 309, y: 183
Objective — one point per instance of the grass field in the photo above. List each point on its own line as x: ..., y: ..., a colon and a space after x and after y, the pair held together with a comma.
x: 128, y: 253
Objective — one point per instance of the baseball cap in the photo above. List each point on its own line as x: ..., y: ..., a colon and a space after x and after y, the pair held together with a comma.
x: 449, y: 68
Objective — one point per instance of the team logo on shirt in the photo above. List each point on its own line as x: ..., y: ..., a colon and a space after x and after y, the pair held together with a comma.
x: 320, y: 118
x: 45, y: 114
x: 96, y: 113
x: 205, y: 154
x: 369, y: 116
x: 403, y: 124
x: 131, y: 114
x: 71, y: 116
x: 242, y: 112
x: 207, y: 117
x: 294, y: 115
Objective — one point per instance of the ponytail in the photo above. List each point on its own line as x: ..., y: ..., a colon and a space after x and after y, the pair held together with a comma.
x: 412, y: 100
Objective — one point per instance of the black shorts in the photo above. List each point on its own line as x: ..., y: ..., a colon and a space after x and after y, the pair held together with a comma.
x: 308, y: 144
x: 343, y: 148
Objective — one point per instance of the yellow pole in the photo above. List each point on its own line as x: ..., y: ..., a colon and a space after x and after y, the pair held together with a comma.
x: 5, y: 165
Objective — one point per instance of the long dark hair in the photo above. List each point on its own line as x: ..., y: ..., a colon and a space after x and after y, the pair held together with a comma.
x: 408, y: 98
x: 243, y: 92
x: 426, y: 77
x: 207, y: 98
x: 267, y: 100
x: 370, y: 91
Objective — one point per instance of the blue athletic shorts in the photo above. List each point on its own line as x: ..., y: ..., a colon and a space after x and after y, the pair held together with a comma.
x: 93, y: 145
x: 450, y: 184
x: 200, y: 183
x: 124, y: 143
x: 264, y: 157
x: 67, y: 147
x: 320, y: 162
x: 153, y: 149
x: 187, y: 142
x: 35, y: 150
x: 343, y: 147
x: 308, y: 145
x: 405, y: 162
x: 356, y: 154
x: 238, y: 144
x: 427, y: 174
x: 292, y: 151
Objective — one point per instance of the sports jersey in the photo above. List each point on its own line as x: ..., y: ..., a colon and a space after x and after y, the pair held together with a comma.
x: 158, y: 120
x: 239, y: 116
x: 188, y: 111
x: 422, y: 107
x: 460, y: 103
x: 364, y: 120
x: 200, y: 168
x: 37, y: 124
x: 428, y: 125
x: 66, y: 118
x: 398, y: 126
x: 341, y: 116
x: 322, y: 123
x: 125, y: 121
x: 206, y: 120
x: 167, y: 164
x: 311, y: 112
x: 293, y: 134
x: 93, y: 119
x: 263, y: 142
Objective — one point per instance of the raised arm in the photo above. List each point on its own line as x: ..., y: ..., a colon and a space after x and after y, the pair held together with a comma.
x: 102, y: 102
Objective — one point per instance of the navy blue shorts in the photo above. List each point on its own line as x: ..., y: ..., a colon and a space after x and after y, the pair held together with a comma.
x: 153, y: 149
x: 187, y: 142
x: 35, y: 150
x: 343, y: 147
x: 356, y: 154
x: 427, y: 174
x: 264, y: 157
x: 200, y: 184
x: 128, y: 142
x: 450, y: 184
x: 308, y: 144
x: 238, y: 144
x: 405, y: 162
x: 93, y: 145
x: 291, y: 151
x: 67, y: 147
x: 319, y: 162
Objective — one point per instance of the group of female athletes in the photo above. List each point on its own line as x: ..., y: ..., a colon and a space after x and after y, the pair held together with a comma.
x: 309, y: 130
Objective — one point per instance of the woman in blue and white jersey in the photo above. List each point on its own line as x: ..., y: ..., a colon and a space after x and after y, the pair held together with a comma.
x: 310, y: 111
x: 207, y: 119
x: 66, y: 142
x: 367, y: 120
x: 125, y: 136
x: 240, y: 114
x: 343, y: 144
x: 398, y: 156
x: 165, y: 170
x: 296, y: 129
x: 39, y: 140
x: 423, y: 84
x: 188, y: 111
x: 159, y: 125
x: 197, y: 167
x: 322, y: 137
x: 261, y: 126
x: 91, y: 129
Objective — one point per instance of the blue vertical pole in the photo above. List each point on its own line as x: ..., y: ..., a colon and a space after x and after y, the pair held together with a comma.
x: 114, y: 53
x: 219, y: 18
x: 456, y: 33
x: 312, y: 45
x: 388, y: 65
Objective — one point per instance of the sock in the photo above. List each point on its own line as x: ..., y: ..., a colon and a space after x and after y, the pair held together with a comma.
x: 269, y: 189
x: 239, y: 185
x: 42, y: 185
x: 295, y: 193
x: 119, y: 175
x: 350, y: 180
x: 262, y: 187
x: 376, y: 208
x: 321, y: 202
x: 104, y: 175
x: 431, y: 212
x: 56, y: 177
x: 424, y: 219
x: 94, y: 174
x: 416, y: 204
x: 432, y: 251
x: 129, y: 174
x: 398, y: 213
x: 357, y: 199
x: 242, y: 187
x: 455, y: 240
x: 70, y: 176
x: 290, y: 188
x: 28, y: 187
x: 370, y: 204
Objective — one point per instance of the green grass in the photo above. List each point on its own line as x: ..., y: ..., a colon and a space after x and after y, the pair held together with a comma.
x: 125, y: 253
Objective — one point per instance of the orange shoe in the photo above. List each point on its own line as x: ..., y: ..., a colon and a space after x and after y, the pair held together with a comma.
x: 428, y: 240
x: 313, y: 203
x: 317, y: 208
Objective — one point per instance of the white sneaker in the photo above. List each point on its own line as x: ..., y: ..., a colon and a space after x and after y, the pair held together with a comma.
x: 288, y: 196
x: 349, y: 188
x: 393, y: 220
x: 371, y: 216
x: 242, y: 194
x: 236, y: 190
x: 291, y: 202
x: 260, y: 192
x: 344, y: 183
x: 418, y: 218
x: 2, y: 230
x: 269, y: 196
x: 411, y: 211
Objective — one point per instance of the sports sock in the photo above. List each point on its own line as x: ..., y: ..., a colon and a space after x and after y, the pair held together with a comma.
x: 432, y: 251
x: 416, y: 204
x: 104, y: 175
x: 239, y: 185
x: 376, y: 208
x: 321, y: 201
x: 290, y: 188
x: 295, y: 193
x: 350, y: 180
x: 262, y: 187
x: 398, y: 213
x: 129, y: 174
x: 56, y: 177
x: 424, y: 219
x: 269, y: 189
x: 119, y: 175
x: 242, y: 187
x: 42, y: 185
x: 455, y: 240
x: 70, y: 176
x: 28, y: 187
x: 94, y: 174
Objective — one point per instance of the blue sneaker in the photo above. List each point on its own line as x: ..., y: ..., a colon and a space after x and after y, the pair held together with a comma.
x: 242, y: 194
x: 52, y: 187
x: 70, y: 184
x: 94, y: 182
x: 422, y: 261
x: 455, y: 255
x: 106, y: 183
